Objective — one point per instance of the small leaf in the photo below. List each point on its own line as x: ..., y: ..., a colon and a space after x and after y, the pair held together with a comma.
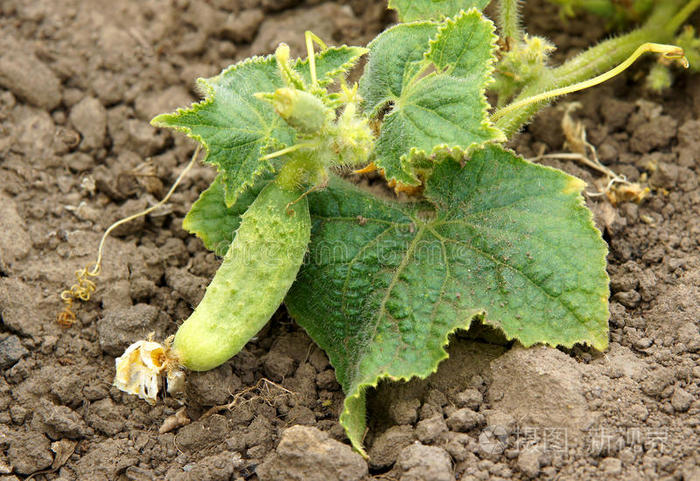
x: 330, y: 63
x: 463, y: 47
x: 213, y: 222
x: 430, y: 110
x: 235, y: 127
x: 386, y: 283
x: 412, y: 10
x: 396, y: 56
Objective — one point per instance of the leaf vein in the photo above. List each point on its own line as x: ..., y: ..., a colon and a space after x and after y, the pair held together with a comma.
x: 503, y: 263
x: 395, y: 278
x: 352, y: 263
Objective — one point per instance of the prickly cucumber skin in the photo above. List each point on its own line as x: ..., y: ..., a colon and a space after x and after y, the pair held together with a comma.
x: 257, y: 271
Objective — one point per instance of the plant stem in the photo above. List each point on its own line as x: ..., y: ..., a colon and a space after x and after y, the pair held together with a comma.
x: 509, y: 21
x: 310, y: 38
x: 289, y: 150
x: 592, y: 62
x: 680, y: 18
x: 668, y: 51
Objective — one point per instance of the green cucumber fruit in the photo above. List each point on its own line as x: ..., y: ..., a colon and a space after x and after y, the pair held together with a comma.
x: 259, y: 268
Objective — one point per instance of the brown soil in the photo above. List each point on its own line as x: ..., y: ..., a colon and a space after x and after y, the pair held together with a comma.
x: 79, y: 82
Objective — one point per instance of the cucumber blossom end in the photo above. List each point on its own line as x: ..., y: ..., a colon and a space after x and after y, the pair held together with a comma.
x: 255, y: 275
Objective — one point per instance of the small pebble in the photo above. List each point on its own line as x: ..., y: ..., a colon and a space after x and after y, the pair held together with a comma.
x: 529, y: 461
x: 464, y: 419
x: 11, y: 351
x: 681, y: 400
x: 418, y: 462
x: 29, y: 78
x: 429, y: 430
x: 611, y: 466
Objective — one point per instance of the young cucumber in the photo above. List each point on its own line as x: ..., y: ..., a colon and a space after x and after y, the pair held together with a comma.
x: 258, y: 270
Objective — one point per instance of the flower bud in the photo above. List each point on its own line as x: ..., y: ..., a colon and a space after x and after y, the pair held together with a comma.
x: 302, y: 110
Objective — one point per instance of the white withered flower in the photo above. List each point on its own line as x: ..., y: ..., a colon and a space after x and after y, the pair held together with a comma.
x: 139, y: 369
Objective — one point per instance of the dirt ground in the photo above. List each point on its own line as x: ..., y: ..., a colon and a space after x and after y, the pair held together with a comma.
x: 79, y: 82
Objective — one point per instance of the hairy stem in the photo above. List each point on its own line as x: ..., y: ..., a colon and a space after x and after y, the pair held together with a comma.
x: 509, y: 20
x: 680, y: 18
x: 592, y: 62
x: 668, y: 51
x: 310, y: 38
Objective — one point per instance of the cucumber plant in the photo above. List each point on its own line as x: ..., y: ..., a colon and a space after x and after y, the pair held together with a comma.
x: 486, y: 235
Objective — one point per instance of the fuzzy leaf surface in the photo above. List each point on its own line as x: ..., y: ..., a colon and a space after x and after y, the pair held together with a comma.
x: 412, y: 10
x: 330, y: 63
x: 432, y: 77
x: 464, y: 46
x: 386, y: 283
x: 235, y: 127
x: 395, y: 57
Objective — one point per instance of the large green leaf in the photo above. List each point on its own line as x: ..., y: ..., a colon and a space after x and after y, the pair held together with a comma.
x: 412, y: 10
x: 432, y: 78
x: 500, y: 238
x: 235, y: 127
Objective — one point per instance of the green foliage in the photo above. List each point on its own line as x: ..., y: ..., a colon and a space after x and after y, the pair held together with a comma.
x: 236, y: 128
x: 488, y: 235
x: 393, y: 280
x: 330, y: 64
x: 396, y: 56
x: 394, y: 285
x: 433, y: 79
x: 412, y: 10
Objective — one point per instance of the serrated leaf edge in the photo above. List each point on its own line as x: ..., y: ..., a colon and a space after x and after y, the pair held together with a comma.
x: 361, y: 387
x: 357, y: 390
x: 488, y: 78
x: 330, y: 76
x: 486, y: 124
x: 575, y: 187
x: 377, y: 108
x: 206, y: 85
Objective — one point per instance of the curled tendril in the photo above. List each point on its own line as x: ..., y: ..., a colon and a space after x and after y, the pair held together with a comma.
x: 669, y: 52
x: 678, y: 55
x: 82, y: 290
